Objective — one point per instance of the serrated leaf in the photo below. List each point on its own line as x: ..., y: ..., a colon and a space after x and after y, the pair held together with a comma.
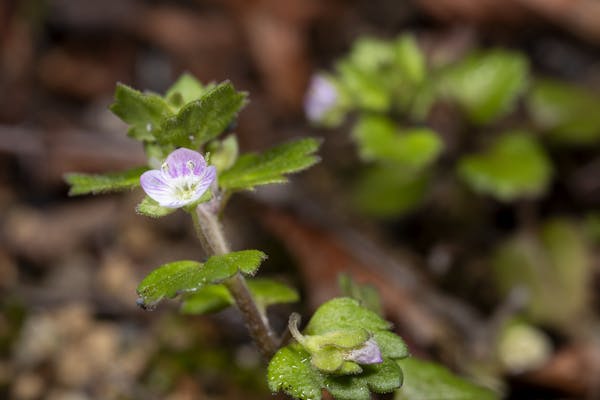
x: 169, y: 280
x: 344, y: 313
x: 427, y: 380
x: 213, y: 298
x: 379, y: 378
x: 204, y: 119
x: 346, y: 388
x: 516, y: 166
x: 150, y: 208
x: 187, y: 88
x: 391, y: 345
x: 247, y: 261
x: 487, y: 84
x: 388, y: 191
x: 378, y: 138
x: 290, y: 371
x: 251, y: 170
x: 113, y: 182
x: 143, y: 112
x: 567, y: 112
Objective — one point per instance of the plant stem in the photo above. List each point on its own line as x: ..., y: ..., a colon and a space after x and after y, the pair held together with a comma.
x: 211, y: 236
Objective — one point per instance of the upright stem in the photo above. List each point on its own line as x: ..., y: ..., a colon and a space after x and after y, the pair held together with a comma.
x: 211, y: 235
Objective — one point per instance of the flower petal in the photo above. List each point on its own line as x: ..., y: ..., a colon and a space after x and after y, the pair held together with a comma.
x: 155, y: 185
x: 369, y: 353
x: 208, y: 176
x: 182, y: 162
x: 321, y: 96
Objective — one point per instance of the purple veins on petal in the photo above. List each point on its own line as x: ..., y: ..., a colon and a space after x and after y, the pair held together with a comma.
x: 321, y: 97
x: 183, y: 178
x: 369, y: 353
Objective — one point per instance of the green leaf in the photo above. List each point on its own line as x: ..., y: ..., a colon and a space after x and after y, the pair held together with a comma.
x: 378, y: 138
x: 204, y: 119
x: 427, y: 380
x: 368, y: 90
x: 487, y: 84
x: 246, y: 261
x: 391, y: 345
x: 113, y: 182
x: 186, y: 89
x: 554, y: 265
x: 151, y: 208
x: 260, y: 169
x: 568, y: 113
x: 410, y: 59
x: 367, y: 295
x: 290, y: 371
x: 344, y: 313
x: 516, y: 166
x: 327, y: 359
x: 223, y: 153
x: 346, y: 339
x: 379, y: 378
x: 143, y: 112
x: 169, y: 280
x: 385, y: 191
x: 213, y: 298
x: 207, y: 299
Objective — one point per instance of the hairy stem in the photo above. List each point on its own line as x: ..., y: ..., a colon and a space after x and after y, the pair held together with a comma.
x: 211, y: 236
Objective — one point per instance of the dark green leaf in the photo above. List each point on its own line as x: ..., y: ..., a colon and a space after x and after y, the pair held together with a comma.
x: 113, y: 182
x: 143, y: 112
x: 488, y: 84
x: 426, y: 380
x: 516, y: 166
x: 290, y: 371
x: 247, y: 261
x: 204, y: 119
x: 151, y: 208
x: 260, y: 169
x: 379, y: 378
x: 169, y: 280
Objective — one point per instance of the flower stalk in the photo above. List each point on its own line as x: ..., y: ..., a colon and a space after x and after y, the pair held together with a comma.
x: 211, y: 235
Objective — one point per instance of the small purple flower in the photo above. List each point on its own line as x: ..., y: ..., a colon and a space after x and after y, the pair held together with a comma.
x: 369, y: 353
x: 182, y: 179
x: 321, y: 97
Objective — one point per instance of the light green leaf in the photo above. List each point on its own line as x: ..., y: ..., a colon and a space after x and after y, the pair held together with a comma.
x: 290, y: 371
x: 223, y: 153
x: 204, y: 119
x: 113, y: 182
x: 388, y: 191
x: 186, y: 89
x: 328, y: 359
x: 371, y: 54
x: 568, y: 113
x: 344, y: 313
x: 427, y: 380
x: 368, y: 90
x: 143, y: 112
x: 346, y: 339
x: 516, y: 166
x: 378, y: 138
x: 169, y: 280
x: 487, y: 84
x: 213, y: 298
x: 151, y: 208
x: 246, y: 261
x: 260, y: 169
x: 410, y: 59
x: 554, y: 266
x: 391, y: 345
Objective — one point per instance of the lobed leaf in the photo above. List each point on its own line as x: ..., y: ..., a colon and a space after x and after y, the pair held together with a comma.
x: 186, y: 89
x: 143, y: 112
x: 427, y: 380
x: 246, y: 261
x: 203, y: 119
x: 516, y: 166
x: 113, y: 182
x: 290, y: 371
x: 251, y: 170
x: 150, y: 208
x: 391, y: 345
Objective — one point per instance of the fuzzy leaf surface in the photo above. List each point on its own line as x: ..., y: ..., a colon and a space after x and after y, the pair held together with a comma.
x: 290, y: 371
x: 247, y: 261
x: 150, y: 208
x: 251, y: 170
x: 95, y: 183
x: 144, y: 112
x: 203, y: 119
x: 344, y: 313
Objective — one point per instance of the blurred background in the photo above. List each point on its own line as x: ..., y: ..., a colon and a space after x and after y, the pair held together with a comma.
x: 485, y: 256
